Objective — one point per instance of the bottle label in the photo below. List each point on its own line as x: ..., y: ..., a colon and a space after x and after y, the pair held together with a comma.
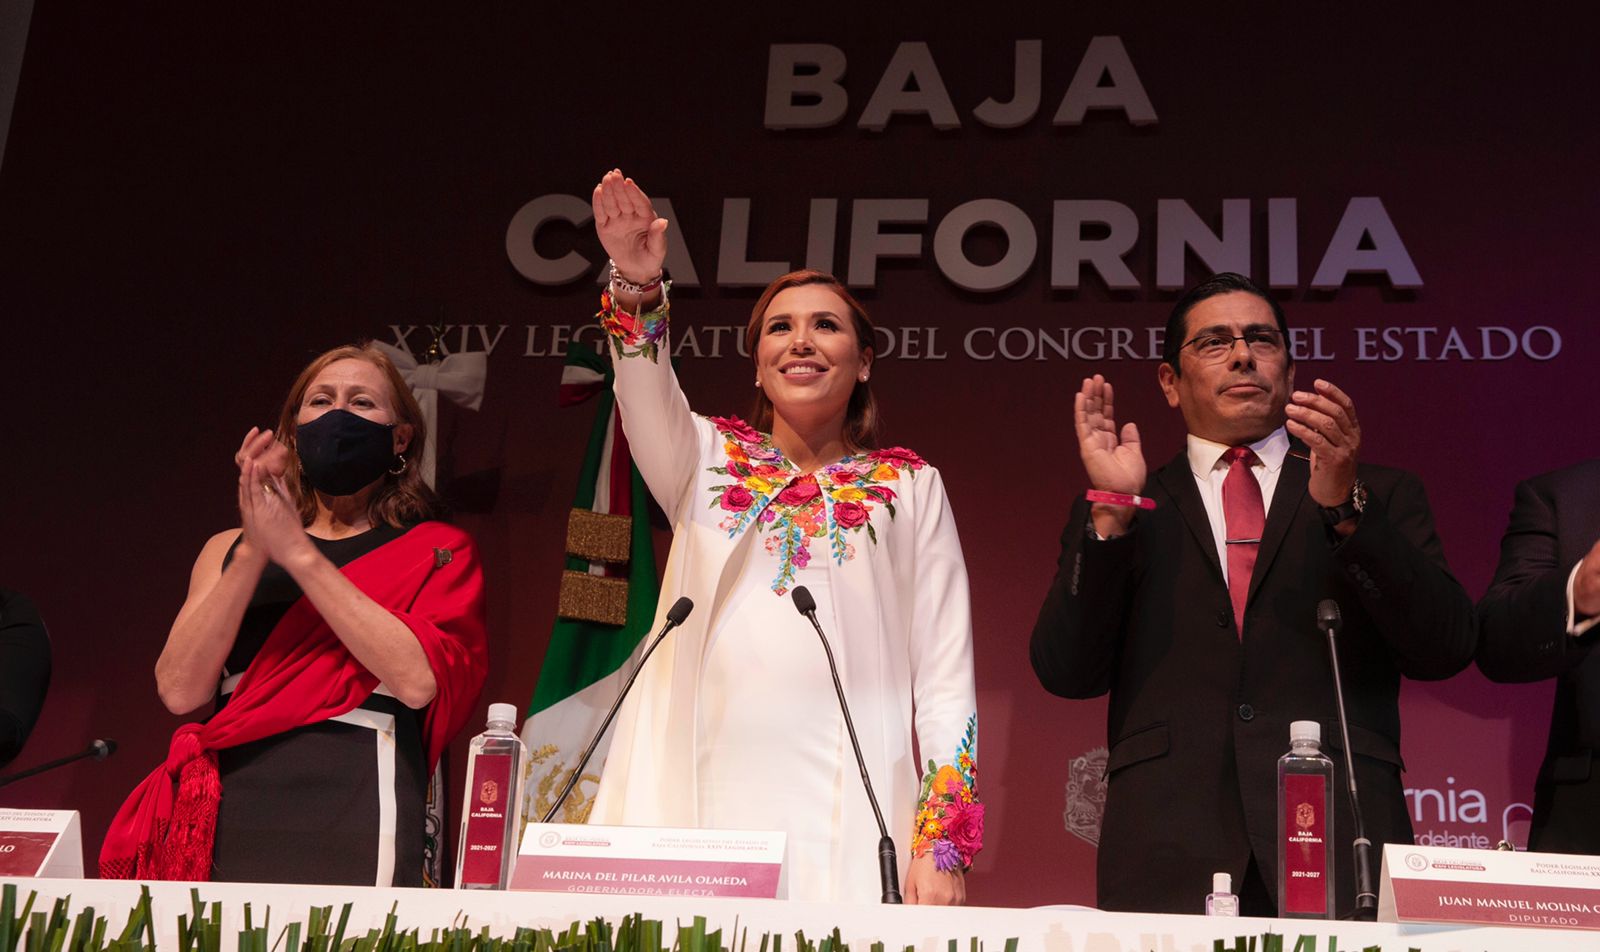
x: 1222, y: 904
x: 489, y: 809
x: 1305, y: 853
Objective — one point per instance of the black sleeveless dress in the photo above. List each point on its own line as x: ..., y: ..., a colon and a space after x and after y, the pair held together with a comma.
x: 340, y: 802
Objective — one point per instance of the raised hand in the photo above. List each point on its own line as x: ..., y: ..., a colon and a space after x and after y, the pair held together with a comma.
x: 1114, y: 460
x: 1115, y: 463
x: 630, y: 231
x: 1325, y: 420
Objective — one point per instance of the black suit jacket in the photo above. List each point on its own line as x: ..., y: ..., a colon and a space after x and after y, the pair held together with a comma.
x: 1523, y: 625
x: 24, y: 671
x: 1199, y: 716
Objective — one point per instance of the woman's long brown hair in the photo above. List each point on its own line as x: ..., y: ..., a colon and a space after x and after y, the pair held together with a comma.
x: 861, y: 416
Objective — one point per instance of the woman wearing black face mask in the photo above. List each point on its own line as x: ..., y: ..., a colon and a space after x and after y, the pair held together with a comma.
x: 342, y: 626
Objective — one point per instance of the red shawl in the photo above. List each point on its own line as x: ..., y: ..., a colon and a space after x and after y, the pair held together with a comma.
x: 429, y: 578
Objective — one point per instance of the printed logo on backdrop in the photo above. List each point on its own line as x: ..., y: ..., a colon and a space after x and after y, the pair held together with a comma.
x: 1086, y: 795
x: 1454, y: 815
x: 1463, y: 816
x: 1072, y: 241
x: 984, y: 343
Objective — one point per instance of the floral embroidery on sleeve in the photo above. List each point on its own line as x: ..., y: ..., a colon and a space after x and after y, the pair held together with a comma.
x: 634, y: 335
x: 949, y: 819
x: 834, y: 503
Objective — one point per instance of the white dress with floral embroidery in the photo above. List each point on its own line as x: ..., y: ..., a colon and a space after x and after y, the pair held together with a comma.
x: 734, y: 722
x: 764, y: 658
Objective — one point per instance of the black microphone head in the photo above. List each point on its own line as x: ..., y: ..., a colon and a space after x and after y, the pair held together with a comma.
x: 803, y: 602
x: 680, y: 610
x: 104, y: 748
x: 1328, y: 614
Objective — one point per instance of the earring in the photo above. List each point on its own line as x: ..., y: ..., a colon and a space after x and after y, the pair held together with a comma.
x: 402, y: 458
x: 758, y: 381
x: 863, y: 378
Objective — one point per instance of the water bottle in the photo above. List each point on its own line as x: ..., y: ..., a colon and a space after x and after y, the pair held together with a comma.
x: 491, y: 814
x: 1305, y: 826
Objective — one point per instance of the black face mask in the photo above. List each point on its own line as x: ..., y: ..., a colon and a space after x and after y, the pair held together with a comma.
x: 342, y: 453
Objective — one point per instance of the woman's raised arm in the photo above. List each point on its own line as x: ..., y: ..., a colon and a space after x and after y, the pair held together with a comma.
x: 662, y: 433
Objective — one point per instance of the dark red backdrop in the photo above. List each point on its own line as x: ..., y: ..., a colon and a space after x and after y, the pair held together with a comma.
x: 194, y: 200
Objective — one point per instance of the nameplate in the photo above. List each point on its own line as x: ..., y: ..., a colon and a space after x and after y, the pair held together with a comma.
x: 1494, y: 887
x: 41, y: 843
x: 649, y: 861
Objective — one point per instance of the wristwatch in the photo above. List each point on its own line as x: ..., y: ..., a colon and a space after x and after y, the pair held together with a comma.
x: 1350, y: 508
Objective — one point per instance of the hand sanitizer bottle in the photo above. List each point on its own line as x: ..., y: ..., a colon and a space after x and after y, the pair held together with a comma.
x: 1222, y: 901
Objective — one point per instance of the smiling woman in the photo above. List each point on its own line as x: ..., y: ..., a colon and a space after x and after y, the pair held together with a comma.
x: 734, y: 725
x: 811, y: 339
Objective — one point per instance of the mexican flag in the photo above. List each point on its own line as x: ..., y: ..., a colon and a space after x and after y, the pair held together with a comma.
x: 585, y: 665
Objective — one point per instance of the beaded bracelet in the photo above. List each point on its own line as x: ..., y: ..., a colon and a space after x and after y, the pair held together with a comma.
x: 635, y: 335
x: 621, y: 283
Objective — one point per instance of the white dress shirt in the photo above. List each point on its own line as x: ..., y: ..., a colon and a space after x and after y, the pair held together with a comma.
x: 1210, y: 469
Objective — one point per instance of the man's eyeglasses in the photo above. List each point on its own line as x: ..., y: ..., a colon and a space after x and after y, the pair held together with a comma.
x: 1261, y: 342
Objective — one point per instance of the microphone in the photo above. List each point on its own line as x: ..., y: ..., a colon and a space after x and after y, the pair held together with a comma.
x: 888, y: 866
x: 675, y: 616
x: 97, y: 750
x: 1366, y: 910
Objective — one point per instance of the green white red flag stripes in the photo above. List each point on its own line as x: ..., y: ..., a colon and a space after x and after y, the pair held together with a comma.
x: 584, y: 665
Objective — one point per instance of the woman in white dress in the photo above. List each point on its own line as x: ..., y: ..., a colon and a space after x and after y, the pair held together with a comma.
x: 734, y: 723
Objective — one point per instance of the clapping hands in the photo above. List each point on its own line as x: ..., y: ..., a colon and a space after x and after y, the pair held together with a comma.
x: 267, y: 509
x: 1324, y: 418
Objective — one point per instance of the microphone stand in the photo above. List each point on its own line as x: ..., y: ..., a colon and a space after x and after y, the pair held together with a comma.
x: 1366, y: 908
x: 888, y: 865
x: 675, y: 615
x: 99, y: 750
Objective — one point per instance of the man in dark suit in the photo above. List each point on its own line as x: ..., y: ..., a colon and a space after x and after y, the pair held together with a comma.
x: 1199, y: 615
x: 1538, y: 620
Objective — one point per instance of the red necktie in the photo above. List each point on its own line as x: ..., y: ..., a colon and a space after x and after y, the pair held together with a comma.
x: 1244, y: 517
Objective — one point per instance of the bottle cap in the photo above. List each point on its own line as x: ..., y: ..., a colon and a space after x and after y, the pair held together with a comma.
x: 503, y: 713
x: 1305, y: 730
x: 1221, y: 883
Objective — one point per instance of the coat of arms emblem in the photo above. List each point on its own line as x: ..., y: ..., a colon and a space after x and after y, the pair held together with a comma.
x: 489, y: 793
x: 1305, y: 816
x: 1086, y: 795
